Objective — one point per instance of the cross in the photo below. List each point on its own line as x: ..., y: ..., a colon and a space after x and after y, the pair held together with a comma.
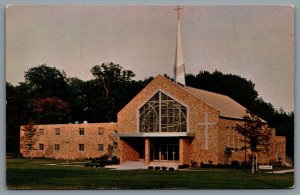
x: 178, y: 9
x: 206, y: 123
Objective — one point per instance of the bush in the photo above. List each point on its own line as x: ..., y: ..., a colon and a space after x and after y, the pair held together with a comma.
x: 193, y: 163
x: 164, y: 168
x: 150, y: 167
x: 184, y: 166
x: 157, y: 168
x: 245, y: 165
x: 235, y: 164
x: 104, y: 157
x: 86, y: 164
x: 92, y: 164
x: 171, y: 169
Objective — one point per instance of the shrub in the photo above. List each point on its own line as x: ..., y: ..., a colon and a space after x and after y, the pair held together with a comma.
x: 104, y: 157
x: 157, y: 168
x: 171, y: 169
x: 92, y: 164
x: 164, y: 168
x: 245, y: 165
x: 87, y: 164
x: 193, y: 163
x: 150, y: 167
x: 235, y: 164
x: 184, y: 166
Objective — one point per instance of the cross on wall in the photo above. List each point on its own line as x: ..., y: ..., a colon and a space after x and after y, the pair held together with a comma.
x: 206, y: 124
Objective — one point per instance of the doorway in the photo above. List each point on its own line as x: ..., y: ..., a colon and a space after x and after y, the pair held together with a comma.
x: 164, y: 151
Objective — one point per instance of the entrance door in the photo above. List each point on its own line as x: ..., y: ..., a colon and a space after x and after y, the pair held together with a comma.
x: 154, y: 152
x: 173, y: 152
x: 164, y: 152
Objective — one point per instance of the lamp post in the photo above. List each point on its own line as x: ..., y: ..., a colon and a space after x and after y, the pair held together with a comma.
x: 67, y: 151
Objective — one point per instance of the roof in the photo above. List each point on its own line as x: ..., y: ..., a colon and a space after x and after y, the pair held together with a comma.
x: 227, y: 106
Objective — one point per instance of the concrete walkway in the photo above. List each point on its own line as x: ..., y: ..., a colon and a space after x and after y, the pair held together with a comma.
x: 132, y: 165
x: 129, y: 165
x: 283, y: 171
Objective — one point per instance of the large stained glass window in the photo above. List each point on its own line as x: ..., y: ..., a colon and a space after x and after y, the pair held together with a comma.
x: 162, y: 114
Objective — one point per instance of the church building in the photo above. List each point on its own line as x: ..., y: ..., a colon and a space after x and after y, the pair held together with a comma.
x: 166, y: 121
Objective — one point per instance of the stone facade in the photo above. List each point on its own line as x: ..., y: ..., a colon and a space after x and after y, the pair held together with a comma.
x: 208, y: 133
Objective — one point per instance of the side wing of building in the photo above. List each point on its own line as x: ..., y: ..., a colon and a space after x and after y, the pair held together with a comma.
x: 68, y: 141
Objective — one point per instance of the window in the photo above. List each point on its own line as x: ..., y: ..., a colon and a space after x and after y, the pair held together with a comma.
x: 41, y: 146
x: 162, y: 114
x: 57, y: 131
x: 81, y: 131
x: 28, y: 147
x: 100, y: 147
x: 81, y: 147
x: 56, y: 147
x: 100, y: 130
x: 41, y: 131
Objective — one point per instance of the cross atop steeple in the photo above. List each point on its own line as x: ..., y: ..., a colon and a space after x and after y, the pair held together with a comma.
x: 179, y: 70
x: 178, y: 11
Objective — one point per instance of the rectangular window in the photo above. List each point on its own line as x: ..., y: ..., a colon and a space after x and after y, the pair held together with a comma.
x: 28, y: 147
x: 41, y: 131
x: 100, y: 147
x: 81, y: 147
x: 100, y: 130
x: 41, y: 146
x: 57, y: 131
x: 81, y: 131
x: 57, y: 147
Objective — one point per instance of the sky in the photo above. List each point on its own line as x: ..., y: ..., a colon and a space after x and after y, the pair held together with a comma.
x: 255, y: 42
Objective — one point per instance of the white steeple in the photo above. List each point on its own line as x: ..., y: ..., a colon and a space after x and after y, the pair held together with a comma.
x: 179, y: 70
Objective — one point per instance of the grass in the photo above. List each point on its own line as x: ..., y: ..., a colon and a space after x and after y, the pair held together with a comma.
x: 34, y: 174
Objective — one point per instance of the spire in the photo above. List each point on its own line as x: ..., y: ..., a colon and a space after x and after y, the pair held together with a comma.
x: 179, y: 70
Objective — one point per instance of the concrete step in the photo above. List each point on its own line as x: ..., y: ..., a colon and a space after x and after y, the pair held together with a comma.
x: 173, y: 164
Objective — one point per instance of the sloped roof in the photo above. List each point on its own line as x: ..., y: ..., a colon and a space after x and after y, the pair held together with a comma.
x: 227, y: 106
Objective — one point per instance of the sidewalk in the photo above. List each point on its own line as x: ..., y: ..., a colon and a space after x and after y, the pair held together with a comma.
x: 283, y: 171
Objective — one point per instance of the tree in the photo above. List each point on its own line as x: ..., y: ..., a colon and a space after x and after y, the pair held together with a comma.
x: 29, y: 138
x: 238, y: 88
x: 254, y: 132
x: 51, y: 110
x: 44, y: 81
x: 17, y: 113
x: 112, y: 89
x: 109, y: 75
x: 227, y: 153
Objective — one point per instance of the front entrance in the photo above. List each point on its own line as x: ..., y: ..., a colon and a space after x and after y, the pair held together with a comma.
x: 164, y: 150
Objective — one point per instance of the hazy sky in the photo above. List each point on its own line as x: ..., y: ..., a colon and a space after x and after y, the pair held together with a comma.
x: 256, y: 42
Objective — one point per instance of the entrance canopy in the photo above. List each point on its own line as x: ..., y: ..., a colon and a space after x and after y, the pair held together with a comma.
x: 159, y: 134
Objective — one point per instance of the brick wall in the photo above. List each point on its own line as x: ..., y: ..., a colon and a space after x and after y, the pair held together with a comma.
x: 126, y: 151
x: 91, y: 138
x: 128, y: 117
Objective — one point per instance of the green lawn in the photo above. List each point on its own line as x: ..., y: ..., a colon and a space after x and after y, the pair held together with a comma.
x: 34, y: 174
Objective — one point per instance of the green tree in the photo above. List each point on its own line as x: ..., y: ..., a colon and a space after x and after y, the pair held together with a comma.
x: 110, y: 75
x: 17, y: 113
x: 111, y: 89
x: 44, y: 81
x: 254, y: 132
